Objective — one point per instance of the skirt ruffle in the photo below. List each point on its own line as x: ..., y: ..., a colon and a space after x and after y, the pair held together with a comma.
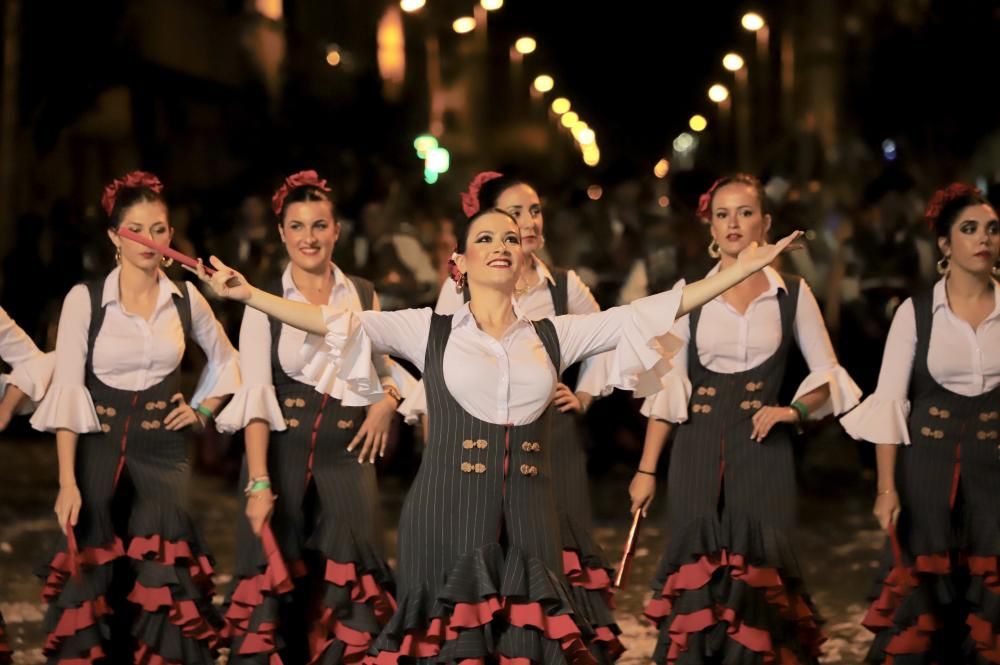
x: 492, y: 606
x: 352, y: 601
x: 729, y: 591
x: 930, y: 606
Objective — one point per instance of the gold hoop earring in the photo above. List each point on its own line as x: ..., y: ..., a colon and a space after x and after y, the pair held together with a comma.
x: 996, y: 270
x: 118, y: 255
x: 166, y: 262
x: 713, y: 249
x: 943, y: 265
x: 460, y: 284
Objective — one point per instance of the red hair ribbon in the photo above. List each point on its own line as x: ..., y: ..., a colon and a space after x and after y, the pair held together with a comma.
x: 300, y: 179
x: 128, y: 181
x: 470, y: 197
x: 943, y: 197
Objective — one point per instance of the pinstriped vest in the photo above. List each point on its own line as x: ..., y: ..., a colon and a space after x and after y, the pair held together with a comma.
x: 479, y: 483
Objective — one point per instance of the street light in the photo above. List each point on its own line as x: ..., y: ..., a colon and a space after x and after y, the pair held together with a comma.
x: 684, y: 142
x: 423, y: 144
x: 464, y: 25
x: 591, y: 155
x: 491, y: 5
x: 560, y: 105
x: 525, y: 45
x: 733, y: 62
x: 544, y: 83
x: 752, y: 21
x: 718, y: 93
x: 333, y: 56
x: 569, y: 119
x: 698, y: 123
x: 586, y: 136
x: 410, y: 6
x: 661, y: 169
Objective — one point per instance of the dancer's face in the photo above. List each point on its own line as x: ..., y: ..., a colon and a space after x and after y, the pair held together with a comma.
x: 522, y: 203
x: 737, y: 218
x: 310, y: 233
x: 493, y: 255
x: 973, y: 243
x: 149, y: 219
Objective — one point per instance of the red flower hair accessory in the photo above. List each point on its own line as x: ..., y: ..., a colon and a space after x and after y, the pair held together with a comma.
x: 943, y: 197
x: 470, y: 197
x: 705, y: 200
x: 128, y: 181
x: 300, y: 179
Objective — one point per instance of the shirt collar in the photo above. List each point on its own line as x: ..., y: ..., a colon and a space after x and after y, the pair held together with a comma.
x: 463, y: 316
x: 939, y: 298
x: 543, y: 272
x: 111, y: 293
x: 774, y: 280
x: 290, y: 291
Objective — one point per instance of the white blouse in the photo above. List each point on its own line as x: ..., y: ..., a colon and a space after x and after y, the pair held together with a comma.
x: 535, y: 303
x: 130, y: 352
x: 32, y: 369
x: 256, y: 398
x: 730, y: 342
x: 505, y: 381
x: 962, y: 360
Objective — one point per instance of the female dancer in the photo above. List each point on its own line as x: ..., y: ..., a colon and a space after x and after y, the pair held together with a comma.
x: 299, y: 447
x: 26, y: 384
x: 541, y: 293
x: 938, y: 598
x: 119, y: 417
x: 479, y: 546
x: 732, y: 483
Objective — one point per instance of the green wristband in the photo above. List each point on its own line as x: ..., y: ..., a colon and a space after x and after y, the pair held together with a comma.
x: 205, y: 411
x: 260, y: 485
x: 801, y: 408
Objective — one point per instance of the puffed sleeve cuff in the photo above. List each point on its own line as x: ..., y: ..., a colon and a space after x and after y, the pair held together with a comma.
x: 879, y: 420
x: 593, y: 378
x: 641, y: 361
x: 415, y: 404
x: 671, y: 403
x: 66, y: 407
x: 218, y: 380
x: 844, y: 393
x: 404, y: 382
x: 251, y: 403
x: 32, y: 377
x: 340, y: 363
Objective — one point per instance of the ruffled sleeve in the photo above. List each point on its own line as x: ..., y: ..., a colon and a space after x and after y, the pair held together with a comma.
x: 341, y: 362
x: 257, y: 402
x: 255, y: 398
x: 814, y: 341
x: 32, y: 377
x: 879, y: 420
x: 66, y: 407
x: 844, y: 393
x: 415, y: 405
x: 882, y: 417
x: 67, y: 403
x: 638, y: 335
